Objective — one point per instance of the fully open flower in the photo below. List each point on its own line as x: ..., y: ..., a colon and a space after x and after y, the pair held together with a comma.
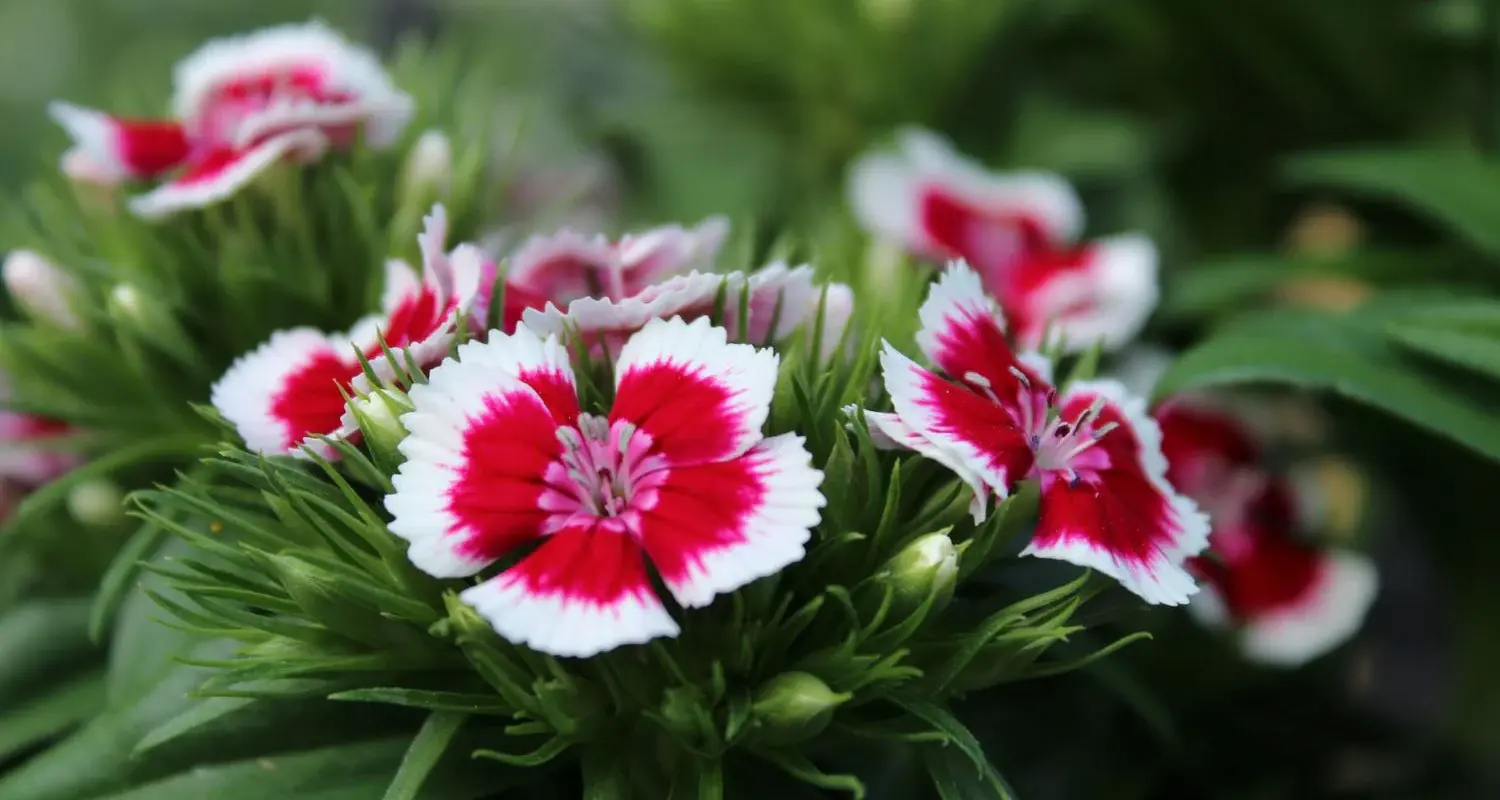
x: 995, y: 419
x: 566, y: 266
x: 240, y: 105
x: 292, y: 389
x: 1018, y: 231
x: 501, y: 457
x: 776, y: 301
x: 1289, y: 600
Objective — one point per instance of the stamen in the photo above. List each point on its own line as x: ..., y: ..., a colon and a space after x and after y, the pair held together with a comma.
x: 983, y: 384
x: 1103, y: 429
x: 1062, y: 431
x: 1021, y: 376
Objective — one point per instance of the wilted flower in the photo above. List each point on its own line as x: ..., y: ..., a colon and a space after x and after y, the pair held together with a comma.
x: 291, y: 389
x: 1018, y: 231
x: 1289, y: 600
x: 240, y: 105
x: 41, y: 288
x: 501, y: 456
x: 777, y: 300
x: 566, y: 266
x: 995, y: 419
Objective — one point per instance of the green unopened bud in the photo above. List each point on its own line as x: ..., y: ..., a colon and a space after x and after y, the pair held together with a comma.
x: 96, y: 502
x: 147, y: 317
x: 318, y: 593
x: 428, y: 173
x: 379, y: 416
x: 925, y: 567
x: 794, y: 706
x: 43, y: 291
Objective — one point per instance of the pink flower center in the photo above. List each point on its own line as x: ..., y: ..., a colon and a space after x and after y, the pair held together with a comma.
x: 606, y: 476
x: 1067, y: 446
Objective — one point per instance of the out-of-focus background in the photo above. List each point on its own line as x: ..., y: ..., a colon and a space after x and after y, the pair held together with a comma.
x: 1178, y: 117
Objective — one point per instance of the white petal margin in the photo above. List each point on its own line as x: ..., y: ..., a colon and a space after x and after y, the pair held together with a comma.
x: 775, y: 533
x: 883, y: 196
x: 345, y: 67
x: 533, y: 264
x: 662, y: 252
x: 1166, y: 580
x: 1042, y: 196
x: 564, y: 626
x: 957, y: 296
x: 170, y: 198
x: 1333, y: 611
x: 838, y: 308
x: 1121, y: 280
x: 746, y: 375
x: 95, y: 139
x: 247, y: 390
x: 904, y: 381
x: 455, y: 393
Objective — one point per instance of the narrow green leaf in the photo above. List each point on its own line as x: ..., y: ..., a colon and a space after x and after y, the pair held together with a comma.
x: 434, y: 738
x: 50, y: 713
x: 953, y: 777
x: 456, y: 702
x: 798, y: 766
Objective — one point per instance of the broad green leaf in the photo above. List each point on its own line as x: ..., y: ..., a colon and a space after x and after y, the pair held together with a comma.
x: 349, y: 772
x: 1476, y: 351
x: 37, y: 639
x: 50, y: 713
x: 1458, y: 189
x: 1342, y: 356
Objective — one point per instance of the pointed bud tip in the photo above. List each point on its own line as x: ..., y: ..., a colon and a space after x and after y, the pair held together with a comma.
x: 796, y: 705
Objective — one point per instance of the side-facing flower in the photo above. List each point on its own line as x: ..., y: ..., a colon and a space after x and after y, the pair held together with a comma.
x: 1288, y: 600
x: 29, y: 456
x: 240, y: 105
x: 292, y: 389
x: 761, y: 307
x: 501, y: 456
x: 566, y: 266
x: 995, y: 419
x: 1018, y: 231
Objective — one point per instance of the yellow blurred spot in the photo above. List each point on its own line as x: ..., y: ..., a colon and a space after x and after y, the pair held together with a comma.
x: 1324, y: 229
x: 216, y: 527
x: 1325, y: 293
x: 1344, y: 493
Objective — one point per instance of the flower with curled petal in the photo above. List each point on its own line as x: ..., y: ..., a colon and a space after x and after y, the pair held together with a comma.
x: 502, y: 457
x: 566, y: 266
x: 1288, y: 600
x: 995, y: 419
x: 1018, y: 231
x: 291, y: 390
x: 240, y: 105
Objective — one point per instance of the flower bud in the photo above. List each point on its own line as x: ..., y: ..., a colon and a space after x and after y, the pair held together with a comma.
x: 428, y: 173
x: 926, y: 567
x: 97, y: 502
x: 794, y: 706
x: 41, y: 288
x: 378, y: 413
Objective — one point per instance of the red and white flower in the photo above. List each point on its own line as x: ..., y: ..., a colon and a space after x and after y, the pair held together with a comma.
x: 1288, y: 600
x: 777, y: 300
x: 289, y: 391
x: 240, y: 105
x: 566, y: 266
x: 995, y: 419
x: 29, y: 455
x: 1019, y: 231
x: 501, y: 457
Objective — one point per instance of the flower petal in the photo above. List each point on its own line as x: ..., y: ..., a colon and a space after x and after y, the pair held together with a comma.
x: 712, y: 528
x: 583, y: 592
x: 220, y: 174
x: 302, y: 74
x: 121, y: 148
x: 566, y: 266
x: 1102, y: 292
x: 940, y: 204
x: 287, y: 389
x: 974, y: 433
x: 962, y: 333
x: 481, y: 441
x: 698, y: 397
x: 649, y: 257
x: 1121, y: 517
x: 1327, y: 614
